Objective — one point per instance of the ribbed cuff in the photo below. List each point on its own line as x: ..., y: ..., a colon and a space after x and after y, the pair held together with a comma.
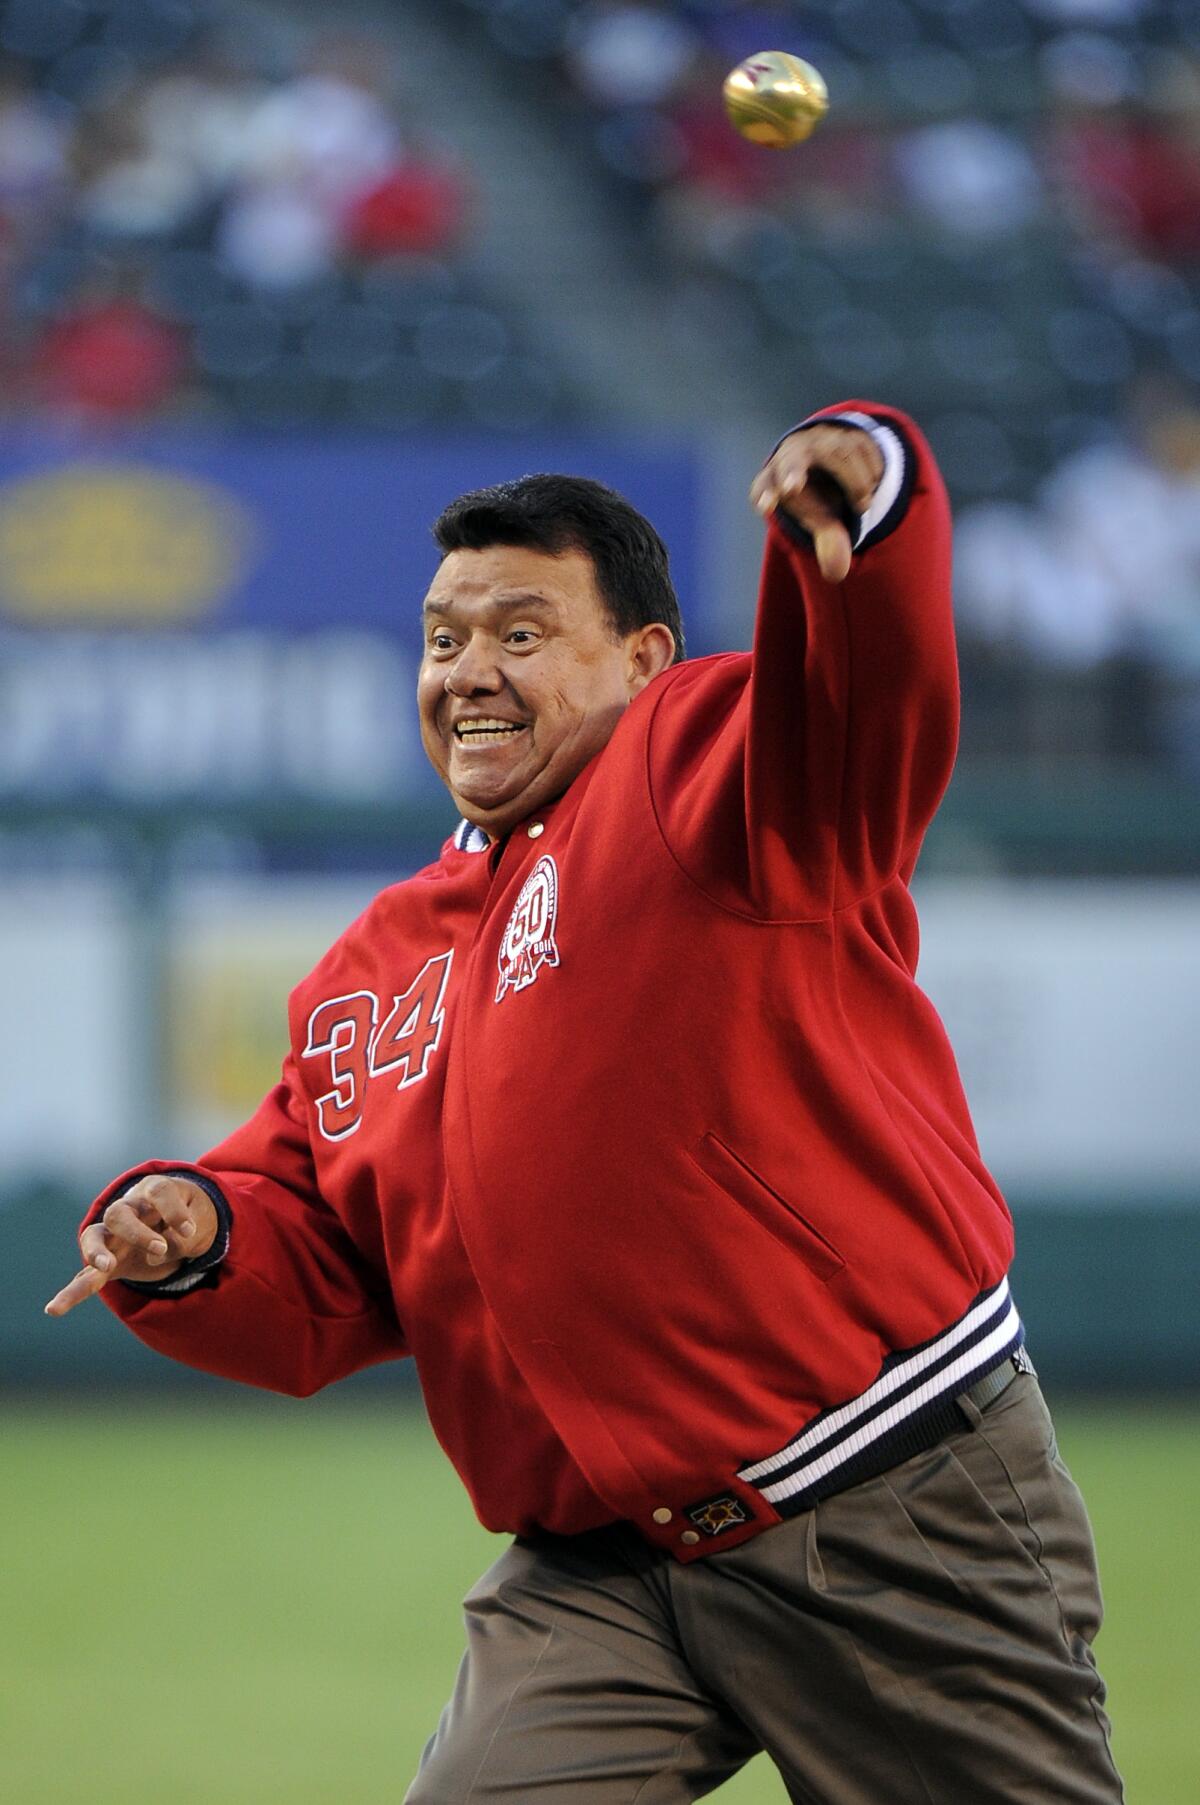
x: 890, y: 501
x: 202, y: 1269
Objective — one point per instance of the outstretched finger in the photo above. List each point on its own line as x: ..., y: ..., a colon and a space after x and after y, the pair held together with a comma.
x: 85, y: 1284
x: 831, y: 542
x: 100, y: 1263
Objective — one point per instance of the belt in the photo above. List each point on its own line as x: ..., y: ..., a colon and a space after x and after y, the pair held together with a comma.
x: 993, y: 1385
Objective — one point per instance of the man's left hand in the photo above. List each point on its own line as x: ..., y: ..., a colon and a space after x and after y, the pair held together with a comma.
x: 800, y: 477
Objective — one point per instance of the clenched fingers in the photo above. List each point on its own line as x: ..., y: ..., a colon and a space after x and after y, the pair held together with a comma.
x: 169, y: 1205
x: 847, y: 453
x: 818, y: 511
x: 798, y: 477
x: 134, y: 1222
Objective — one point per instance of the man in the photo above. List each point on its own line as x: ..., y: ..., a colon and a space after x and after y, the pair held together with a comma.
x: 627, y: 1119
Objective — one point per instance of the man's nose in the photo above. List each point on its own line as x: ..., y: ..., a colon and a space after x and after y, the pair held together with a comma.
x: 474, y: 672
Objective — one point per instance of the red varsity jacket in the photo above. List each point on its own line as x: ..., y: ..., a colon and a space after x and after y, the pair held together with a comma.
x: 635, y: 1130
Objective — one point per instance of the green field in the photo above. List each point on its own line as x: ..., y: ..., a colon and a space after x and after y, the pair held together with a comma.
x: 258, y: 1603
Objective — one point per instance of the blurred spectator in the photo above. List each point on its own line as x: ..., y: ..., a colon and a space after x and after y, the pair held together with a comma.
x: 329, y: 132
x: 312, y: 146
x: 34, y: 191
x: 1090, y: 70
x: 1106, y: 563
x: 418, y: 208
x: 276, y: 234
x: 251, y: 172
x: 153, y: 155
x: 130, y: 191
x: 1137, y: 179
x: 1019, y: 593
x: 109, y: 356
x: 630, y: 55
x: 1128, y: 161
x: 197, y: 115
x: 33, y: 151
x: 969, y: 177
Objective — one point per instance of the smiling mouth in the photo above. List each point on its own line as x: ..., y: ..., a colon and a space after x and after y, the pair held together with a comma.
x: 486, y: 731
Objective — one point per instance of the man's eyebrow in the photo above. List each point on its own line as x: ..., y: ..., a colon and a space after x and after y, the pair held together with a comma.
x: 524, y: 599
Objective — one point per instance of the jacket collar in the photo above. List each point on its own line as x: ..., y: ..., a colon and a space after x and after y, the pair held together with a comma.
x: 468, y: 838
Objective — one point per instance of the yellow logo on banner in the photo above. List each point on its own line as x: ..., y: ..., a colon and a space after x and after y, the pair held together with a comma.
x: 224, y: 1025
x: 112, y: 545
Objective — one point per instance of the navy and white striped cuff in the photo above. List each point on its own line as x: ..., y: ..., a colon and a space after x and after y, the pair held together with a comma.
x: 890, y: 501
x: 913, y: 1395
x: 193, y: 1272
x: 891, y: 490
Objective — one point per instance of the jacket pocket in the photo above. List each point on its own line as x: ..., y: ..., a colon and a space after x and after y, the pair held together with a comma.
x: 779, y: 1217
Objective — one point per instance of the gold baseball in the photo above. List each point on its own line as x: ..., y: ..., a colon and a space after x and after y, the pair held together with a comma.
x: 775, y: 99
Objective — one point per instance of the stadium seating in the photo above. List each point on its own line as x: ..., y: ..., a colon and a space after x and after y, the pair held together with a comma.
x: 258, y: 203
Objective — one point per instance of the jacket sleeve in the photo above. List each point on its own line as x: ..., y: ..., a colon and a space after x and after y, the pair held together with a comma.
x: 802, y: 779
x: 287, y: 1303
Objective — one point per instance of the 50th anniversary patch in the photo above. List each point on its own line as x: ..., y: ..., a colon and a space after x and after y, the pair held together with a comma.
x: 528, y: 941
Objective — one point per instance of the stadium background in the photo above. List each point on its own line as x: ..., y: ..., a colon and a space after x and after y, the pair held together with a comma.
x: 274, y: 284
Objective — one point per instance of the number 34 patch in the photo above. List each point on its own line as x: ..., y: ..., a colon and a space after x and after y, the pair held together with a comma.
x: 359, y: 1046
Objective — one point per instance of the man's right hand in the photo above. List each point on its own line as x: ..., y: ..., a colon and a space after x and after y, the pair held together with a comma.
x: 145, y: 1235
x: 849, y: 461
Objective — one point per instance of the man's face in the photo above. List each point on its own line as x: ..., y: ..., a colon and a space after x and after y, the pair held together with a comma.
x: 523, y: 678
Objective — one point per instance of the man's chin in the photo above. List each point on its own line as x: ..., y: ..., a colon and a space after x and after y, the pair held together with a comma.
x: 494, y: 808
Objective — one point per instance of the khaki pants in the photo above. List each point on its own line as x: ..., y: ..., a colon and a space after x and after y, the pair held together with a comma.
x: 921, y: 1639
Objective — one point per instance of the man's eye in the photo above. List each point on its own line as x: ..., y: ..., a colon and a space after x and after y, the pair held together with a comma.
x: 441, y: 642
x: 520, y: 636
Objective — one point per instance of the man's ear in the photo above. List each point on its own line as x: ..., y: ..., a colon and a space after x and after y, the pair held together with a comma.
x: 650, y: 650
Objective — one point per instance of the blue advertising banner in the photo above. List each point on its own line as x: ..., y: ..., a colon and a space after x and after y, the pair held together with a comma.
x: 239, y: 616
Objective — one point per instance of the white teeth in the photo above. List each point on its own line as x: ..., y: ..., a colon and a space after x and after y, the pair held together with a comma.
x: 486, y: 727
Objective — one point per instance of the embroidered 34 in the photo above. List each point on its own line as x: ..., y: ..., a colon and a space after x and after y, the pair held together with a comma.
x: 348, y: 1030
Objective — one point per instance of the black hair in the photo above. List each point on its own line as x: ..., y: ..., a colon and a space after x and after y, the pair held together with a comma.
x: 572, y: 513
